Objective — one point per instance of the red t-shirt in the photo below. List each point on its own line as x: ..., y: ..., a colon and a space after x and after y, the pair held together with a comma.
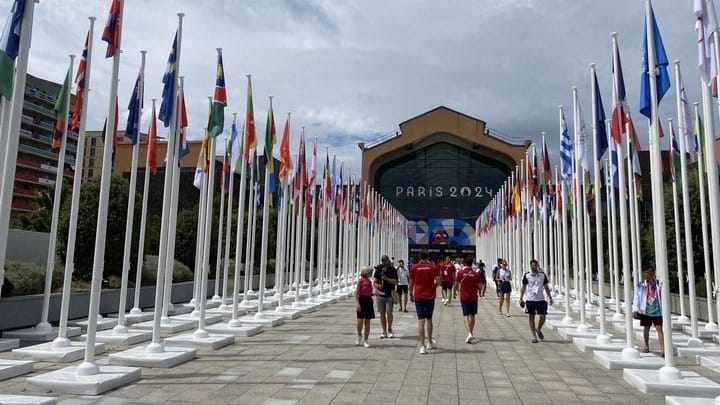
x: 448, y: 272
x: 469, y: 282
x: 423, y: 275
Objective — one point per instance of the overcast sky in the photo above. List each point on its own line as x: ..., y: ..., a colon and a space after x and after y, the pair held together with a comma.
x: 351, y: 71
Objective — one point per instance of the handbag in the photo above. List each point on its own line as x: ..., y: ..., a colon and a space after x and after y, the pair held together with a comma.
x: 395, y: 297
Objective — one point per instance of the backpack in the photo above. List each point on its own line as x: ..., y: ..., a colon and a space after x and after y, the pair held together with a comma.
x: 366, y: 289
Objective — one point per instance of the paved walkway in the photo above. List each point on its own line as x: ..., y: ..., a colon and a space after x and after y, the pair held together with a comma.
x: 313, y: 360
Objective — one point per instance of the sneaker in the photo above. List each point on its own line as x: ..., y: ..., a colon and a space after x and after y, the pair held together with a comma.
x: 508, y: 315
x: 391, y: 335
x: 366, y: 344
x: 540, y: 335
x: 423, y: 350
x: 469, y: 338
x: 357, y: 340
x: 383, y: 335
x: 405, y: 310
x: 432, y: 344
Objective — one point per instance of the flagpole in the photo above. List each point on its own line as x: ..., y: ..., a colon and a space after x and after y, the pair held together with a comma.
x: 668, y: 372
x: 200, y: 237
x: 312, y: 225
x: 280, y: 244
x: 62, y: 340
x: 602, y: 338
x: 266, y: 222
x: 676, y: 225
x: 618, y: 316
x: 250, y: 232
x: 44, y: 325
x: 234, y: 322
x: 228, y: 234
x: 219, y: 250
x: 156, y: 346
x: 11, y: 115
x: 712, y: 174
x: 121, y: 327
x: 136, y: 310
x: 89, y: 367
x: 579, y: 216
x: 633, y: 211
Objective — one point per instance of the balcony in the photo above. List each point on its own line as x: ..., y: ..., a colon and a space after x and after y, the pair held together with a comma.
x: 27, y: 177
x: 24, y: 192
x: 50, y: 114
x: 22, y: 206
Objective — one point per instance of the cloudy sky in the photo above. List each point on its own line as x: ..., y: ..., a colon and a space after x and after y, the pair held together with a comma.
x: 351, y: 71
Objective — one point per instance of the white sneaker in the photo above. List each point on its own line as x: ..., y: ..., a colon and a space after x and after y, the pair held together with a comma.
x: 469, y: 338
x: 423, y: 350
x: 357, y: 340
x: 390, y: 335
x: 432, y: 344
x: 366, y: 344
x: 443, y: 301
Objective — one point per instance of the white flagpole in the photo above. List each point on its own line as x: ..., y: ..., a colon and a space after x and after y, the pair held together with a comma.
x: 228, y: 234
x: 11, y: 114
x: 44, y: 324
x: 200, y: 332
x: 62, y: 340
x: 121, y: 326
x: 265, y: 226
x: 280, y: 250
x: 312, y: 227
x: 89, y: 367
x: 250, y: 232
x: 219, y: 250
x: 599, y: 248
x: 678, y: 243
x: 143, y: 220
x: 579, y: 217
x: 633, y: 212
x: 234, y: 322
x: 199, y: 241
x: 712, y: 175
x: 156, y: 346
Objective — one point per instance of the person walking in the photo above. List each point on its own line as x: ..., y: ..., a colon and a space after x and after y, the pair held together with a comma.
x: 402, y: 286
x: 534, y: 284
x: 385, y: 278
x: 495, y: 270
x: 469, y: 282
x: 447, y: 280
x: 364, y: 306
x: 504, y: 278
x: 481, y: 272
x: 424, y: 279
x: 647, y: 308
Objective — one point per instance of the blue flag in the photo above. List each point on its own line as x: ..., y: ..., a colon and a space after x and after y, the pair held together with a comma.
x: 134, y: 107
x: 168, y: 92
x: 10, y: 47
x: 566, y: 148
x: 661, y: 63
x: 601, y: 140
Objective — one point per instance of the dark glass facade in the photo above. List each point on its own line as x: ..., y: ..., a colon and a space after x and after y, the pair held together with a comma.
x: 441, y: 180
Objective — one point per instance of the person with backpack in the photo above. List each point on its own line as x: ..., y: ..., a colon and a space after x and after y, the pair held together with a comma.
x: 535, y: 285
x: 469, y: 283
x: 364, y: 305
x: 495, y: 270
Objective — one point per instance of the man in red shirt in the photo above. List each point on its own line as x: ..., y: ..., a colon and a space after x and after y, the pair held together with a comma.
x: 448, y: 278
x: 469, y: 282
x: 424, y: 278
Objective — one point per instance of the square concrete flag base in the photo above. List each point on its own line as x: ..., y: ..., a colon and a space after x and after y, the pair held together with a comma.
x: 35, y: 335
x: 212, y: 341
x: 132, y: 319
x: 14, y: 368
x: 709, y: 362
x: 140, y: 357
x: 226, y: 311
x: 102, y: 323
x: 568, y: 333
x: 696, y: 347
x: 181, y: 310
x: 26, y: 400
x: 67, y: 380
x: 266, y: 319
x: 209, y: 318
x: 234, y: 328
x: 616, y: 360
x: 559, y: 324
x: 8, y: 344
x: 167, y: 327
x: 63, y: 354
x: 679, y: 323
x: 687, y: 383
x: 702, y: 332
x: 131, y: 337
x: 691, y: 401
x: 592, y: 344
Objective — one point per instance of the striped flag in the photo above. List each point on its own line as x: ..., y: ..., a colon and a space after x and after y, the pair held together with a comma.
x: 226, y: 169
x: 80, y: 87
x: 152, y: 143
x: 618, y: 116
x: 285, y: 158
x: 301, y: 179
x: 10, y: 47
x: 183, y: 147
x: 566, y: 149
x: 202, y: 164
x: 674, y: 154
x: 60, y: 119
x: 217, y: 116
x: 250, y: 137
x: 235, y: 146
x: 705, y: 25
x: 111, y: 33
x: 169, y: 82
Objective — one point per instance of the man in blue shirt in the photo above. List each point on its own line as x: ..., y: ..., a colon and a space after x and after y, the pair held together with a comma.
x: 647, y: 308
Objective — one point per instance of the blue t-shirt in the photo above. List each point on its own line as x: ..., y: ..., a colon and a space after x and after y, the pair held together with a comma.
x: 652, y: 308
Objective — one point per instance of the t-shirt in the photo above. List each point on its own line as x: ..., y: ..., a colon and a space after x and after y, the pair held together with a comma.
x: 386, y: 288
x: 423, y: 275
x: 652, y: 307
x: 448, y: 272
x: 403, y: 274
x: 469, y: 282
x: 534, y: 282
x: 504, y: 274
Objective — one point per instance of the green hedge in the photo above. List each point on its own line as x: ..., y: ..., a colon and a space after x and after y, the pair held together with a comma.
x: 29, y: 278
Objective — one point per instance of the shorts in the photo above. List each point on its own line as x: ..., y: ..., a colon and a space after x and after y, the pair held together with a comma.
x: 402, y: 289
x: 366, y: 308
x: 505, y: 287
x: 447, y: 285
x: 384, y: 304
x: 536, y: 307
x: 424, y: 308
x: 650, y: 320
x: 469, y: 307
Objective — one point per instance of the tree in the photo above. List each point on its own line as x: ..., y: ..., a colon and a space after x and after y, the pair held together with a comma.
x: 40, y: 220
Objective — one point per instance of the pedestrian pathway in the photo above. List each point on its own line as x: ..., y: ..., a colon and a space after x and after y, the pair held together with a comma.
x: 313, y: 360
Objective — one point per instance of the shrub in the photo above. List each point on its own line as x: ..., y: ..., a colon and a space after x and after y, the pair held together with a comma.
x: 29, y: 278
x: 181, y: 272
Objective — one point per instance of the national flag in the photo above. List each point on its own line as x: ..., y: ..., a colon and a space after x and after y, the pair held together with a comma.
x: 674, y: 154
x: 115, y: 129
x: 269, y: 158
x: 250, y: 137
x: 581, y: 140
x: 201, y: 168
x: 566, y: 149
x: 301, y: 179
x: 152, y: 143
x: 601, y: 139
x: 634, y: 147
x: 169, y: 83
x: 61, y: 103
x: 10, y: 47
x: 111, y: 33
x: 183, y: 147
x: 614, y: 173
x: 226, y: 169
x: 659, y: 65
x: 80, y: 87
x: 285, y: 158
x: 546, y: 178
x: 311, y: 180
x: 687, y: 135
x: 700, y: 140
x: 132, y: 130
x: 235, y: 146
x: 705, y: 25
x: 255, y: 175
x: 217, y: 116
x: 327, y: 182
x: 618, y: 118
x: 333, y: 180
